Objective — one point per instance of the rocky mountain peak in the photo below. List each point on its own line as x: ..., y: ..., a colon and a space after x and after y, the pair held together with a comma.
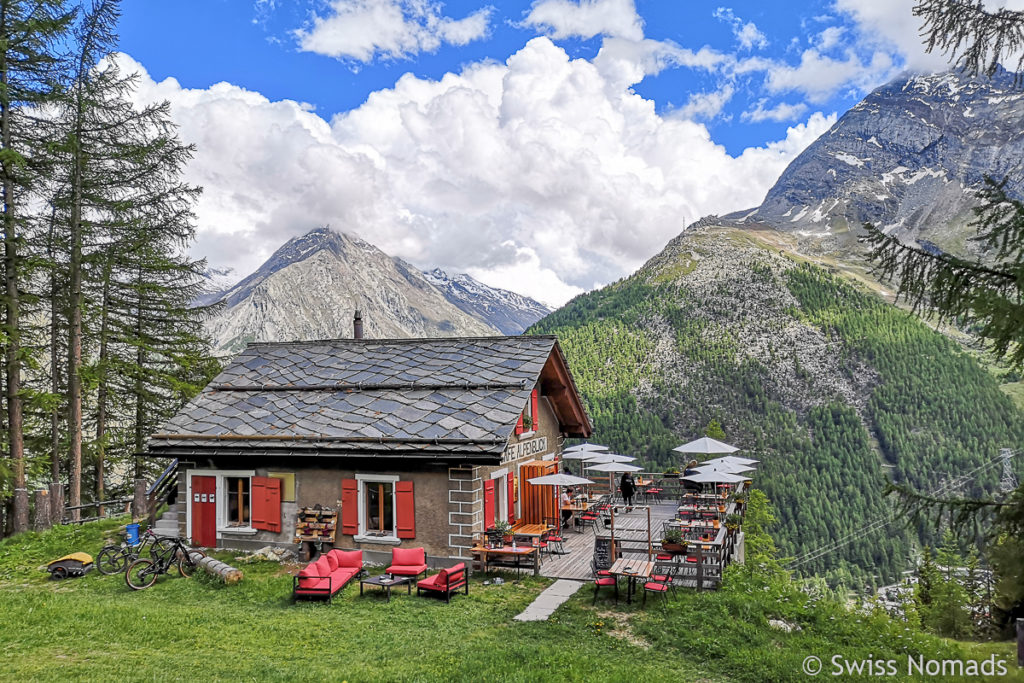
x: 907, y: 158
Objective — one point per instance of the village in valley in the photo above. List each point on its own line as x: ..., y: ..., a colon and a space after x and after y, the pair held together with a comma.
x: 388, y: 340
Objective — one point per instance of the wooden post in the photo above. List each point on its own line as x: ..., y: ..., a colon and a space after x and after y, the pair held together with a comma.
x: 56, y: 503
x: 41, y: 512
x: 612, y: 510
x: 139, y: 500
x: 650, y: 547
x: 1020, y: 643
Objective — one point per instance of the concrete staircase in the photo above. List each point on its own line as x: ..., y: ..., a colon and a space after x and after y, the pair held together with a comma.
x: 167, y: 524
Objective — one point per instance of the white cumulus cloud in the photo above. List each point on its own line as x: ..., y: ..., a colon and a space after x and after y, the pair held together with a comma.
x: 780, y: 112
x: 362, y: 30
x: 746, y: 32
x: 537, y: 174
x: 706, y: 105
x: 586, y: 18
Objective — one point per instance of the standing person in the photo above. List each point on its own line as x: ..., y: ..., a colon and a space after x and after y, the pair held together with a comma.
x: 566, y: 499
x: 628, y: 488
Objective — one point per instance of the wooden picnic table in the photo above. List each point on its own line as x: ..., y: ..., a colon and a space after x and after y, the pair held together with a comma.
x: 632, y: 569
x: 531, y: 530
x: 507, y: 552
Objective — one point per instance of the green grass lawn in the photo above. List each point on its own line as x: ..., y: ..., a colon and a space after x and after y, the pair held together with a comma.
x: 95, y: 628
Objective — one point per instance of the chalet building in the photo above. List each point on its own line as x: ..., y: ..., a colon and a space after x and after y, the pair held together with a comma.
x: 418, y: 442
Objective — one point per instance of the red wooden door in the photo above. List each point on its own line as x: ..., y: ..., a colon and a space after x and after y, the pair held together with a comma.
x: 204, y: 511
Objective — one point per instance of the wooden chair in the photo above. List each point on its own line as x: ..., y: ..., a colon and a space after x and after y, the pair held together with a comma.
x: 603, y: 578
x: 553, y: 538
x: 658, y: 588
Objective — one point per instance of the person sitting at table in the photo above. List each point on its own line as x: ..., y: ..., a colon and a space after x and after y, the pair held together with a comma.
x: 566, y: 500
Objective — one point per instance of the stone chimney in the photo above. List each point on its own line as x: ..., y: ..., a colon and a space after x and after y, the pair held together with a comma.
x: 357, y: 326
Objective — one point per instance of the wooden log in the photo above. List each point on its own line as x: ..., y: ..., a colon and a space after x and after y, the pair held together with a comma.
x: 218, y: 568
x: 56, y: 503
x: 41, y: 511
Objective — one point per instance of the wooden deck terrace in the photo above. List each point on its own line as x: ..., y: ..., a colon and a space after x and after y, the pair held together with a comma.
x: 701, y: 567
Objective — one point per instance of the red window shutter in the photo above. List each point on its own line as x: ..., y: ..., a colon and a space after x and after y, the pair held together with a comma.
x: 349, y: 506
x: 405, y: 510
x: 519, y: 424
x: 265, y: 497
x: 488, y: 503
x: 511, y: 498
x: 534, y: 413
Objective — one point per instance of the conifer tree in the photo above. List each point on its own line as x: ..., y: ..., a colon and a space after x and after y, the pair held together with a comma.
x: 128, y: 220
x: 29, y: 34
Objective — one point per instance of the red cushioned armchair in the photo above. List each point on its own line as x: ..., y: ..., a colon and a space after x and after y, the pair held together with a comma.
x: 445, y: 582
x: 408, y: 562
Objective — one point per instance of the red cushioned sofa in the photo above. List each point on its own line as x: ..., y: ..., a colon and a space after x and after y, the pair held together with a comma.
x: 445, y: 582
x: 327, y: 575
x: 408, y: 562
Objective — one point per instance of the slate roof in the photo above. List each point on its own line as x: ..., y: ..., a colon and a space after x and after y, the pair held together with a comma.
x: 431, y: 397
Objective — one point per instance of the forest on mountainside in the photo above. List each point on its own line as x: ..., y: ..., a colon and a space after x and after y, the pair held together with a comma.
x: 661, y: 354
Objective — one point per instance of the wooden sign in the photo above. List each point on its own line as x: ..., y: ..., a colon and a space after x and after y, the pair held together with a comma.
x: 531, y: 448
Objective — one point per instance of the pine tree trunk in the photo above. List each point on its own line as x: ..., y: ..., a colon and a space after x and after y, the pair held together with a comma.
x: 75, y: 329
x: 140, y: 358
x: 102, y: 391
x: 55, y: 386
x: 13, y: 356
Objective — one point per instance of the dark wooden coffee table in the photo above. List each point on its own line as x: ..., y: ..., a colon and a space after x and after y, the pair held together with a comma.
x: 386, y: 585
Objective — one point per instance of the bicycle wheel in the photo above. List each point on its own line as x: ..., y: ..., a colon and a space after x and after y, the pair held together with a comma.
x: 189, y: 562
x: 111, y: 560
x: 161, y: 546
x: 140, y: 574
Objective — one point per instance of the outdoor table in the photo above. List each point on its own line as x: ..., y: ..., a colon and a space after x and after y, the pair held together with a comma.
x: 530, y: 530
x: 574, y: 509
x: 386, y: 584
x: 637, y: 569
x: 509, y: 552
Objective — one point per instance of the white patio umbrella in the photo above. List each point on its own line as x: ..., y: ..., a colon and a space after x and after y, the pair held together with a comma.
x: 705, y: 445
x: 584, y: 447
x: 716, y: 477
x: 726, y: 467
x: 584, y: 451
x: 614, y: 467
x: 733, y: 459
x: 560, y: 479
x: 603, y: 458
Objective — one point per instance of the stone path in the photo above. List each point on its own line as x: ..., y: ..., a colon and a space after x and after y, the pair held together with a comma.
x: 548, y: 601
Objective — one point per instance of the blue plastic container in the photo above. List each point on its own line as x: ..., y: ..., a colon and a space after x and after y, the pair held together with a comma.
x: 133, y: 533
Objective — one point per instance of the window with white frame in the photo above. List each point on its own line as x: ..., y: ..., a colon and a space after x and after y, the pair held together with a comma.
x: 377, y: 506
x: 237, y: 510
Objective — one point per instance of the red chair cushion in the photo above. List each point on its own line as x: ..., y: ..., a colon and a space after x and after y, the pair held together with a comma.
x: 605, y: 581
x: 322, y: 566
x: 433, y: 582
x: 408, y: 556
x: 654, y: 586
x: 349, y: 558
x: 306, y: 579
x: 332, y: 560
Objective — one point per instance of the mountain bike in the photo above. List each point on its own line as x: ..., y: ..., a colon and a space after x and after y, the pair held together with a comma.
x: 114, y: 559
x: 142, y: 573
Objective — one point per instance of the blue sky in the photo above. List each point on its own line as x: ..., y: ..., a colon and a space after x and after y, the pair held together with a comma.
x: 546, y: 146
